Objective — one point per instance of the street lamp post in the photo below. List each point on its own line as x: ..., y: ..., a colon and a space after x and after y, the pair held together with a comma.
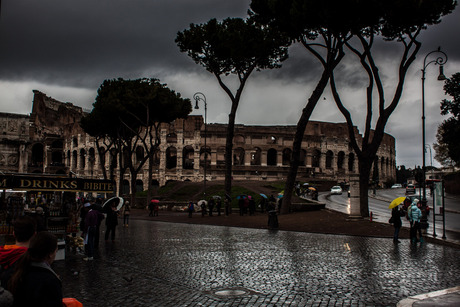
x: 200, y: 96
x: 440, y: 60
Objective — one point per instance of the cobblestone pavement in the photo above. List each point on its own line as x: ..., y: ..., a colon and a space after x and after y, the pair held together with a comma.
x: 170, y: 264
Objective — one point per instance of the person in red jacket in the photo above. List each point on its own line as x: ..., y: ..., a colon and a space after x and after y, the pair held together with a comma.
x: 24, y: 228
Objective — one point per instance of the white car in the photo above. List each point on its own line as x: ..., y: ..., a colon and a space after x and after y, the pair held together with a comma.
x: 396, y: 186
x: 336, y: 190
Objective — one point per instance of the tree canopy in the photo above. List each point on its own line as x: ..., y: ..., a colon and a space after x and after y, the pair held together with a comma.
x: 235, y: 47
x: 128, y: 113
x: 447, y: 147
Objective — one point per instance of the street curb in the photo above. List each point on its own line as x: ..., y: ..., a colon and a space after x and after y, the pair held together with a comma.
x: 452, y: 293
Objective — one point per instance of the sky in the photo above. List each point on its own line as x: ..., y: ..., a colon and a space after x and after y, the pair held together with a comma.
x: 66, y: 49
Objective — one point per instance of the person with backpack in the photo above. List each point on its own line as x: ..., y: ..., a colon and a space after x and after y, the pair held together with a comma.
x: 415, y: 215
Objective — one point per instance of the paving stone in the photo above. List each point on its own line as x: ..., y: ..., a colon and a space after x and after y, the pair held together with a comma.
x: 169, y: 264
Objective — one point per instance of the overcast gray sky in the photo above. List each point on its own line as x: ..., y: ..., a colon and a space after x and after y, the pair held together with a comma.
x: 66, y: 49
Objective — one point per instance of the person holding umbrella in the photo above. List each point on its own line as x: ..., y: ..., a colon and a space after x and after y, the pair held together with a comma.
x: 396, y: 213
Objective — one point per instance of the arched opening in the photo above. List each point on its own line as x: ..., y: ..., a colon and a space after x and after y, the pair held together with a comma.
x: 271, y: 156
x: 139, y: 186
x: 302, y: 157
x: 238, y: 156
x: 287, y: 155
x: 351, y: 162
x: 187, y: 157
x: 329, y: 159
x: 74, y: 159
x: 340, y: 160
x: 82, y: 158
x: 171, y: 157
x: 316, y: 158
x: 256, y: 156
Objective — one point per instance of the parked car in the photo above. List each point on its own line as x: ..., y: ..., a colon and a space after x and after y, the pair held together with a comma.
x: 410, y: 189
x: 396, y: 186
x: 336, y: 190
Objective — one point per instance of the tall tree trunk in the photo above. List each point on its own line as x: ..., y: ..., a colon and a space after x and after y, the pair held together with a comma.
x: 364, y: 166
x: 229, y: 152
x: 297, y: 145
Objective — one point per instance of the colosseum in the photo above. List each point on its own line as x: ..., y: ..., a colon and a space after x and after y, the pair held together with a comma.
x: 50, y: 141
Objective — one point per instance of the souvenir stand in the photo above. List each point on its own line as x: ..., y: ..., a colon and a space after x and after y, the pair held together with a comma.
x: 52, y: 200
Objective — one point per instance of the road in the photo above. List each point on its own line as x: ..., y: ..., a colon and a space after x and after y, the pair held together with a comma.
x: 378, y: 205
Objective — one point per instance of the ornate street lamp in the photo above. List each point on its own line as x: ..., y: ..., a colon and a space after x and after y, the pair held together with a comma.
x: 200, y: 96
x: 440, y: 60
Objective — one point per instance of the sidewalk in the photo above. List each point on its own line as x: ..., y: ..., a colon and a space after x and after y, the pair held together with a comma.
x: 447, y: 297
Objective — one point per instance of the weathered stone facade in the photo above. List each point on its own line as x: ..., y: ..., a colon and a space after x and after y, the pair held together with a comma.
x: 50, y: 140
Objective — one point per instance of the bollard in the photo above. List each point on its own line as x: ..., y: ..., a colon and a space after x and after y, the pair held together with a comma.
x: 370, y: 216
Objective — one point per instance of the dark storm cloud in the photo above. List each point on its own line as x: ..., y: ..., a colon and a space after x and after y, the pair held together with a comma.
x: 83, y: 42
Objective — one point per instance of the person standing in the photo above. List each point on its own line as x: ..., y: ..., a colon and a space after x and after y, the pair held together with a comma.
x: 414, y: 218
x: 151, y: 207
x: 24, y: 229
x: 92, y: 220
x: 126, y: 211
x: 111, y: 222
x: 34, y: 283
x: 396, y: 214
x: 211, y: 206
x: 190, y: 209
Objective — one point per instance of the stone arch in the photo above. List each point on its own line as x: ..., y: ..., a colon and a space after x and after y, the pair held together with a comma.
x: 287, y: 156
x: 340, y: 160
x: 171, y: 157
x: 187, y: 157
x: 238, y: 156
x: 329, y: 159
x: 82, y: 158
x: 256, y: 155
x: 272, y: 156
x: 75, y: 141
x: 316, y: 158
x: 302, y: 157
x: 351, y: 162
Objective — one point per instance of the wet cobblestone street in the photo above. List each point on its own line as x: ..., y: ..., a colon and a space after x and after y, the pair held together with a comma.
x: 169, y: 264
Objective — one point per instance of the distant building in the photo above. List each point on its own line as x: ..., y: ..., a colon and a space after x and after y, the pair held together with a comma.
x: 51, y: 141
